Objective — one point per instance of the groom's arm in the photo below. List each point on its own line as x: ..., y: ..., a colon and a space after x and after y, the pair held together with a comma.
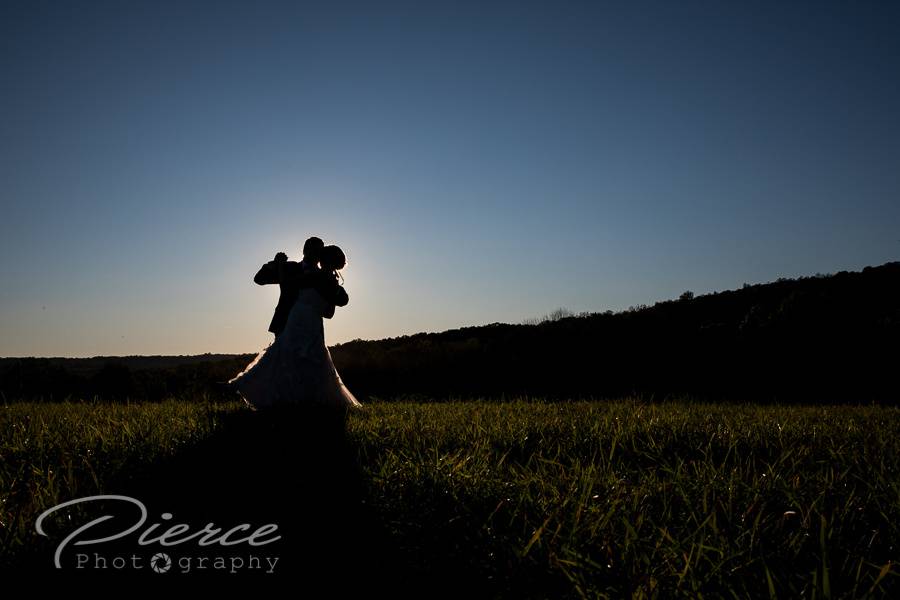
x: 337, y: 297
x: 340, y: 296
x: 327, y: 285
x: 268, y: 273
x: 333, y: 293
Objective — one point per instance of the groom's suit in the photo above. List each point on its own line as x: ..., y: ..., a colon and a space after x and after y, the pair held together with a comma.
x: 295, y: 276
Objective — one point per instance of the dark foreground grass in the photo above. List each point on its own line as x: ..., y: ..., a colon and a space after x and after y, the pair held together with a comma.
x: 53, y: 452
x: 629, y: 499
x: 580, y: 499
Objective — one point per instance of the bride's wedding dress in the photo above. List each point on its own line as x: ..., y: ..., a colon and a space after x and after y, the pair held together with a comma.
x: 296, y: 368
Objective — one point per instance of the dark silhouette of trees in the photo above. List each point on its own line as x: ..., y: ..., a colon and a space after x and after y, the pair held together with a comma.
x: 116, y: 378
x: 814, y: 339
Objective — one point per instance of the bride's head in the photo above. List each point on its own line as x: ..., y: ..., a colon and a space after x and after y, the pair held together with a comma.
x: 332, y: 258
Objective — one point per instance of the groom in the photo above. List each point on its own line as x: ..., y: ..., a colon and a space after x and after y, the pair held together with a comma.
x: 292, y: 276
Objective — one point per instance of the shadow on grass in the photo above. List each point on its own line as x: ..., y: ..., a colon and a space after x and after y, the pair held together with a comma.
x: 291, y: 467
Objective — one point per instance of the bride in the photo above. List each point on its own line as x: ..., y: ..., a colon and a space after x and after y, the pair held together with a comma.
x: 296, y: 369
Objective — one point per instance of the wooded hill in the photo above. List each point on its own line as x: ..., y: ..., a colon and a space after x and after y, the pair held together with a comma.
x: 822, y: 338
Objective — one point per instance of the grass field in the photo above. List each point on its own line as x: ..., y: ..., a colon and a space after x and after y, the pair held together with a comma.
x: 52, y: 452
x: 577, y: 499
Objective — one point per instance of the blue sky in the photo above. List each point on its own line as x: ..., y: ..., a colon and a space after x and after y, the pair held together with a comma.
x: 477, y: 162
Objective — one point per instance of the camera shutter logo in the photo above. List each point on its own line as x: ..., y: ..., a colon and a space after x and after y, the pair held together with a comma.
x: 161, y: 562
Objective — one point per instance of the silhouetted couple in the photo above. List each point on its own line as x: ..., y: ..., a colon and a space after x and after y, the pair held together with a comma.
x: 296, y: 369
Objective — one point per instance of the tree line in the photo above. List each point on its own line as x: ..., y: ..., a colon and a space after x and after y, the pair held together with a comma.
x: 825, y: 338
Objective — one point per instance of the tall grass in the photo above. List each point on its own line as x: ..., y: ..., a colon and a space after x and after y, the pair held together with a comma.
x: 51, y: 452
x: 575, y: 499
x: 630, y: 499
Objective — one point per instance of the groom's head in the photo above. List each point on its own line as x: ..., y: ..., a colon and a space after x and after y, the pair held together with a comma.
x: 312, y: 250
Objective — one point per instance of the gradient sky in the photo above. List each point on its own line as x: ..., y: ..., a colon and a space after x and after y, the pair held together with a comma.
x: 478, y: 162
